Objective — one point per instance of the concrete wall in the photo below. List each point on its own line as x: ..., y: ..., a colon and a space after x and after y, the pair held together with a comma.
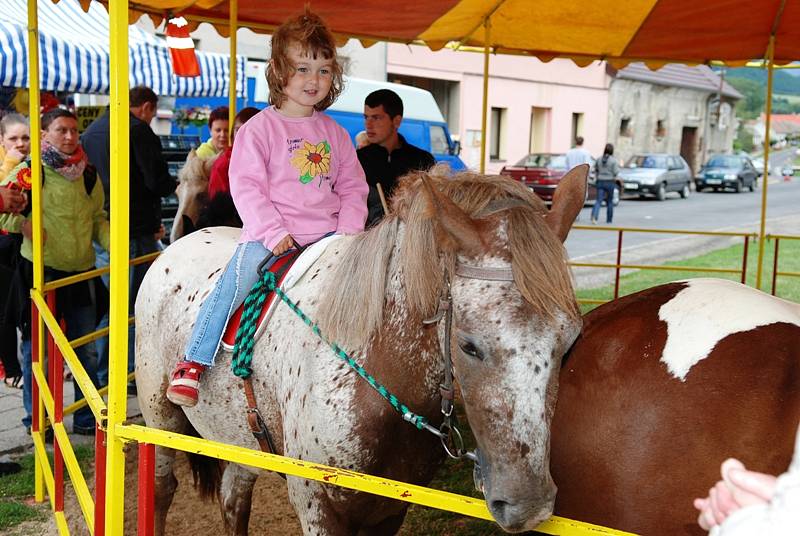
x: 517, y: 85
x: 644, y: 104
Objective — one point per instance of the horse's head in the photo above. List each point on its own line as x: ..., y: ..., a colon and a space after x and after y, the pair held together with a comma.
x: 488, y: 248
x: 192, y: 192
x: 514, y: 315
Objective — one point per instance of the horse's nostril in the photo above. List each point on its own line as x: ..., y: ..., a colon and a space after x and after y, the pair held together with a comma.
x: 500, y: 510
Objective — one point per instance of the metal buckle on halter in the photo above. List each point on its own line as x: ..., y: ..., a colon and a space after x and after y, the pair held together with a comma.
x: 451, y: 439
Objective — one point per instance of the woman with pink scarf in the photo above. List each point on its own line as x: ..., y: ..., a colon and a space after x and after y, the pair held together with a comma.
x: 73, y: 215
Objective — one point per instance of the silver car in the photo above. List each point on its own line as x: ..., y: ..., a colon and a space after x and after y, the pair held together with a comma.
x: 656, y: 174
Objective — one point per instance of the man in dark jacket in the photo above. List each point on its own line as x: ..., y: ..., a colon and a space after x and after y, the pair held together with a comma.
x: 388, y: 155
x: 149, y: 182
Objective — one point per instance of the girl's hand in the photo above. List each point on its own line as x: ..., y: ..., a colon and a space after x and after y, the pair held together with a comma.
x: 27, y: 231
x: 286, y: 243
x: 13, y: 201
x: 16, y: 155
x: 737, y: 489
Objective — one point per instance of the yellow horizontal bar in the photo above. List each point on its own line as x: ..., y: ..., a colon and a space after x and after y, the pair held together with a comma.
x: 393, y: 489
x: 791, y: 274
x: 653, y: 267
x: 76, y: 475
x: 782, y: 237
x: 663, y: 231
x: 587, y: 300
x: 94, y: 335
x: 96, y: 403
x: 63, y: 282
x: 72, y: 408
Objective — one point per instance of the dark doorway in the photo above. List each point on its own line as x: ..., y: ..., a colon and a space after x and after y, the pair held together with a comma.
x: 689, y: 147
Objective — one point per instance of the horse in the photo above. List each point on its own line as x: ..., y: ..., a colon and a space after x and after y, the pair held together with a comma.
x: 195, y: 209
x: 661, y: 387
x: 486, y: 249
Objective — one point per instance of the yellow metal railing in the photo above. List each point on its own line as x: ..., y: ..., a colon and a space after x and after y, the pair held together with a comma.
x: 775, y: 272
x: 618, y: 266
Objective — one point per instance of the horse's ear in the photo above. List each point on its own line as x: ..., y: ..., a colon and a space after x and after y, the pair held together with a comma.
x: 568, y: 201
x: 456, y: 231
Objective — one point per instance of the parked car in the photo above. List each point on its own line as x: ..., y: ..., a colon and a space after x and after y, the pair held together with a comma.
x: 541, y: 172
x: 758, y: 163
x: 656, y: 174
x: 727, y: 171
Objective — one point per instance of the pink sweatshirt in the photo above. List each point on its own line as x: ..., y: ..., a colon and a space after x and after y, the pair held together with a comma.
x: 297, y: 176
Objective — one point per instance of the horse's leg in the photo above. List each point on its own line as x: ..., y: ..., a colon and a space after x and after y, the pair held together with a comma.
x: 165, y: 487
x: 236, y: 493
x: 387, y: 527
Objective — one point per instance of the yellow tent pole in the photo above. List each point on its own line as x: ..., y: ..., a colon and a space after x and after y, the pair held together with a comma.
x: 118, y: 312
x: 765, y: 182
x: 36, y: 202
x: 487, y: 25
x: 233, y: 25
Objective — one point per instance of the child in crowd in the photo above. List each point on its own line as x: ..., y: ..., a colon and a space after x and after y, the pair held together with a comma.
x: 294, y: 177
x: 15, y: 134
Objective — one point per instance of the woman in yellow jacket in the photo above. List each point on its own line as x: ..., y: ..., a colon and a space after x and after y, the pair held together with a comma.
x: 73, y: 215
x: 218, y: 142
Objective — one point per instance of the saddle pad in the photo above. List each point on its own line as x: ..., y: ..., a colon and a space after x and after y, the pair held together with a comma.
x: 300, y: 265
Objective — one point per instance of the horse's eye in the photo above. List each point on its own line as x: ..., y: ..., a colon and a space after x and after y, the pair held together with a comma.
x: 470, y: 349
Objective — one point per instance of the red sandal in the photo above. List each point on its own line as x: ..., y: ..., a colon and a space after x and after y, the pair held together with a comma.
x: 183, y: 388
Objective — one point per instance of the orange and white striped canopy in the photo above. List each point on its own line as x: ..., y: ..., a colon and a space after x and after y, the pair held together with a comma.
x: 653, y: 31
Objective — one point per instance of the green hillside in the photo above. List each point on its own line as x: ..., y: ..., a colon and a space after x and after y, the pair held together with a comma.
x: 782, y: 81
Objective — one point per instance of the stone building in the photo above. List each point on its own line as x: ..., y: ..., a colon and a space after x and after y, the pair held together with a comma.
x: 677, y: 109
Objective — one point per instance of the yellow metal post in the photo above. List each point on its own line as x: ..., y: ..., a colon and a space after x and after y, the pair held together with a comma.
x: 118, y: 313
x: 36, y: 203
x: 233, y: 25
x: 487, y: 26
x: 765, y: 182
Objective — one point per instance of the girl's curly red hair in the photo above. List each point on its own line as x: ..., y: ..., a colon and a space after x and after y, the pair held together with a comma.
x: 315, y: 39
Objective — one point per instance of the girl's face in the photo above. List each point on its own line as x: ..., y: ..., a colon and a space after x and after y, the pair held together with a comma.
x: 308, y: 84
x: 219, y: 134
x: 63, y: 134
x: 18, y: 137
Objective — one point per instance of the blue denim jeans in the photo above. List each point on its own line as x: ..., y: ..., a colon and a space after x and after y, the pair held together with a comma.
x: 229, y: 293
x: 605, y: 190
x: 80, y: 321
x: 138, y: 246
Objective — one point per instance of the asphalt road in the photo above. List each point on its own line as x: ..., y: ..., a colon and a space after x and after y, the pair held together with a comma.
x: 705, y: 211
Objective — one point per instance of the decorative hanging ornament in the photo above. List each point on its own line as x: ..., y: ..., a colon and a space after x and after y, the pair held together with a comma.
x: 181, y: 48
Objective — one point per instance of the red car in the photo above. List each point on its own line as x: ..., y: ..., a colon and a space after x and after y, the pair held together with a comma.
x: 541, y: 172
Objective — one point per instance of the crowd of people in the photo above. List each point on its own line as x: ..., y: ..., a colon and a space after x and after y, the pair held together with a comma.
x: 287, y: 152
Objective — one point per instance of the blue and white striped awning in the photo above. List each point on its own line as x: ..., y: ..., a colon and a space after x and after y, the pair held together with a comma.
x: 73, y: 54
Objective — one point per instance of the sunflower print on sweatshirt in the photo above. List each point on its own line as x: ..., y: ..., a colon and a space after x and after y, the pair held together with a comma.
x: 312, y: 160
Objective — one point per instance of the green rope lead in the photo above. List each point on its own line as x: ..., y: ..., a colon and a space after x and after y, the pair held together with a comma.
x: 243, y: 349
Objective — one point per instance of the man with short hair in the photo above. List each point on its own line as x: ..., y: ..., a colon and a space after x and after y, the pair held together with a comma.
x: 149, y: 181
x: 578, y: 155
x: 388, y: 155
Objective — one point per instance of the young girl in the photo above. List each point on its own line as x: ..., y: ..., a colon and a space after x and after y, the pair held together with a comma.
x: 294, y: 178
x: 15, y: 134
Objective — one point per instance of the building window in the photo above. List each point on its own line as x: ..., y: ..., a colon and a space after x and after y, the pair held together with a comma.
x: 625, y: 127
x: 577, y: 127
x: 661, y: 129
x: 497, y: 134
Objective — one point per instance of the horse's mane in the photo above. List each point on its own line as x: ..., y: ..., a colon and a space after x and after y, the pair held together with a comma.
x: 352, y: 309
